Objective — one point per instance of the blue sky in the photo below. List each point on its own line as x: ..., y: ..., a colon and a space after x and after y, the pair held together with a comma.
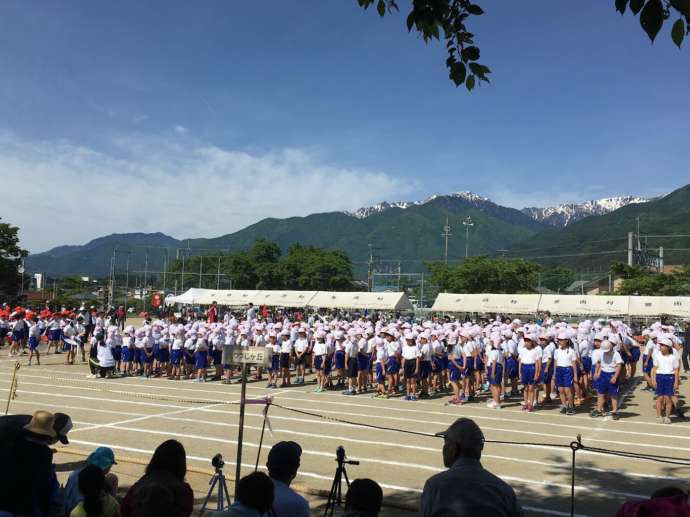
x: 198, y: 118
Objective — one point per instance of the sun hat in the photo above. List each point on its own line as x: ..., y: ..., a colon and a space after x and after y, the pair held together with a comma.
x: 42, y: 422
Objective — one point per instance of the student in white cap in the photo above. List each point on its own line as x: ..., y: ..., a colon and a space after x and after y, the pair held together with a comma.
x: 411, y: 359
x: 530, y: 368
x: 609, y: 365
x: 665, y: 376
x: 565, y: 360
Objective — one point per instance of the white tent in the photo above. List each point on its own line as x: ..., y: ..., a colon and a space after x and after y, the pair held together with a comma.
x: 230, y: 297
x: 487, y: 302
x: 297, y: 299
x: 361, y: 300
x: 678, y: 306
x: 584, y: 305
x: 645, y: 305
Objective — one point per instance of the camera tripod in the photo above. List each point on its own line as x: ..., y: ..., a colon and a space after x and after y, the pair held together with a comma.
x: 335, y: 497
x: 223, y: 498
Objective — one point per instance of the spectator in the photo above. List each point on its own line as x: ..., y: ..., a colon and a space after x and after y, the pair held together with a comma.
x: 666, y: 501
x: 363, y: 499
x: 686, y: 346
x: 162, y: 491
x: 13, y: 425
x: 466, y: 489
x: 104, y: 459
x: 97, y: 502
x: 28, y: 480
x: 283, y: 463
x: 254, y: 497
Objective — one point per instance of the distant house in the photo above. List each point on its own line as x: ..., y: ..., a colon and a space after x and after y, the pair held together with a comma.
x: 598, y: 285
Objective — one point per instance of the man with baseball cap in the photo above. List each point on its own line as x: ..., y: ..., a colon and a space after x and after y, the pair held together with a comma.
x: 466, y: 489
x: 283, y: 463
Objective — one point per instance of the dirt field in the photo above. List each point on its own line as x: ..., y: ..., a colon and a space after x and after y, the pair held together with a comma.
x: 133, y: 415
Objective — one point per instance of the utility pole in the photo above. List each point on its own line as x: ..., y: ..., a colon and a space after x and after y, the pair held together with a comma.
x: 201, y: 268
x: 218, y: 276
x: 126, y: 283
x: 370, y: 269
x: 446, y: 233
x: 630, y: 249
x: 467, y: 222
x: 143, y: 286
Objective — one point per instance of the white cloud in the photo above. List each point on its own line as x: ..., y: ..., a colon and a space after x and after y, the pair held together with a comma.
x: 181, y: 130
x: 58, y: 192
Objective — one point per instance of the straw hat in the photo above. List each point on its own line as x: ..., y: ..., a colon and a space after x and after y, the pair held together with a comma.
x: 42, y: 423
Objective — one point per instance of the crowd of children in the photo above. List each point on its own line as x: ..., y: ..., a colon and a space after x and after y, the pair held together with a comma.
x: 553, y: 361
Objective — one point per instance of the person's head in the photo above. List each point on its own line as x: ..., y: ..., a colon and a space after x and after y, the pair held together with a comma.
x: 256, y: 491
x: 91, y: 485
x: 463, y: 439
x: 62, y: 426
x: 42, y: 425
x: 283, y: 461
x: 364, y: 496
x: 171, y: 457
x: 103, y: 458
x: 669, y: 491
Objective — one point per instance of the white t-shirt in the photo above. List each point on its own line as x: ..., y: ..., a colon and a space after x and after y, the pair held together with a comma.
x: 666, y: 364
x: 285, y: 346
x: 494, y: 356
x: 411, y: 352
x: 381, y: 354
x: 319, y: 348
x: 564, y: 357
x: 426, y: 350
x: 527, y: 356
x: 608, y: 360
x: 301, y: 345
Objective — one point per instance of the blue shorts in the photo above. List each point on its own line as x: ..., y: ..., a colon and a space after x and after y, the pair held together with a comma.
x: 664, y: 384
x: 275, y: 363
x: 453, y: 373
x: 444, y: 362
x: 564, y: 377
x: 497, y: 379
x: 527, y: 373
x: 392, y: 366
x: 33, y: 343
x: 54, y: 335
x: 189, y: 357
x: 363, y: 362
x: 603, y: 385
x: 126, y: 354
x: 511, y: 368
x: 479, y: 363
x: 424, y: 369
x: 175, y: 357
x: 436, y: 365
x: 380, y: 374
x: 117, y: 353
x: 339, y: 359
x: 635, y: 351
x: 468, y: 366
x: 587, y: 364
x: 545, y: 375
x: 17, y: 335
x: 156, y: 351
x: 200, y: 358
x: 648, y: 367
x: 217, y: 356
x: 164, y: 355
x: 147, y: 356
x: 328, y: 365
x: 318, y: 362
x: 410, y: 368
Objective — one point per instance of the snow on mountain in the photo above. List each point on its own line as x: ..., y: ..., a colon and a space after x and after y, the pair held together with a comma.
x: 565, y: 214
x: 365, y: 212
x: 558, y: 216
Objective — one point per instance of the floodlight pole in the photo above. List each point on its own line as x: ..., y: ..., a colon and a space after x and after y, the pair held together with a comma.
x: 446, y: 233
x: 467, y: 222
x: 240, y: 431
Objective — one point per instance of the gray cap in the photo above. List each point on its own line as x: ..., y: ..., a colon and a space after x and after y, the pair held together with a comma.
x: 464, y: 431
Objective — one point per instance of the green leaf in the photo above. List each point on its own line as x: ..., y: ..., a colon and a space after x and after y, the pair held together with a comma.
x: 678, y: 32
x: 636, y: 5
x: 470, y: 54
x: 475, y: 9
x: 410, y: 21
x: 458, y: 73
x: 621, y: 5
x: 652, y: 18
x: 381, y: 7
x: 683, y: 6
x: 469, y: 83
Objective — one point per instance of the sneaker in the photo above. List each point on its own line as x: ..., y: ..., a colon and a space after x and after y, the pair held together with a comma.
x: 463, y: 398
x: 424, y: 396
x: 570, y: 410
x: 665, y: 420
x: 407, y: 397
x: 491, y: 404
x: 595, y: 413
x: 530, y: 408
x: 615, y: 416
x: 564, y: 410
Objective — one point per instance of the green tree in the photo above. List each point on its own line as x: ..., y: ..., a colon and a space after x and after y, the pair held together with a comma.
x: 449, y: 19
x: 485, y: 275
x: 557, y: 278
x: 11, y: 255
x: 645, y: 283
x: 311, y: 268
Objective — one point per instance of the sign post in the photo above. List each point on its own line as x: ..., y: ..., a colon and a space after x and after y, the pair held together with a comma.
x: 244, y: 356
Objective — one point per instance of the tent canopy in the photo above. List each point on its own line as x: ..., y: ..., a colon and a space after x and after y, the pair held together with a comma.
x: 591, y: 305
x: 361, y: 300
x: 294, y: 299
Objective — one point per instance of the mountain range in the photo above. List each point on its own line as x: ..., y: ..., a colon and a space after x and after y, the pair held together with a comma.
x: 395, y: 234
